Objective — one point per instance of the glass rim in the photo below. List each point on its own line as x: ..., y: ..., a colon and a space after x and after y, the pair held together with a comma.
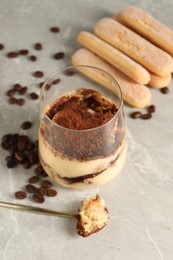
x: 75, y: 67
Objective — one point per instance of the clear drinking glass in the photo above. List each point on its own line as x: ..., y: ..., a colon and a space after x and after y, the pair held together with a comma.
x: 75, y: 158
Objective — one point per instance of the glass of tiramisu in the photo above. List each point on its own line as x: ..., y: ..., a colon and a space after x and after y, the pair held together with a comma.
x: 82, y: 140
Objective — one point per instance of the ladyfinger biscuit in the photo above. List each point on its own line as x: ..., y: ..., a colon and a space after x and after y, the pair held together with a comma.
x: 135, y: 94
x: 147, y: 26
x: 115, y: 57
x: 159, y: 82
x: 136, y: 47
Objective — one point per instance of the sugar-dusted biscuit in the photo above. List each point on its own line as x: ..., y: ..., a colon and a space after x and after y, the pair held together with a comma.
x: 115, y: 57
x: 135, y: 94
x: 159, y: 82
x: 147, y: 26
x: 133, y: 45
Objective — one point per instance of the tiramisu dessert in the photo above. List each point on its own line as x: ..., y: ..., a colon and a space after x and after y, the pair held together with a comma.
x: 93, y: 216
x: 82, y: 142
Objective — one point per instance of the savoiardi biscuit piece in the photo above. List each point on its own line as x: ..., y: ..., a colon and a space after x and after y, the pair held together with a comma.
x: 148, y: 55
x: 115, y: 57
x: 147, y: 26
x: 137, y: 95
x: 159, y: 82
x: 93, y: 216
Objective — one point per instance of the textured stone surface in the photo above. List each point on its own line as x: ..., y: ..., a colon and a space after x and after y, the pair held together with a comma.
x: 139, y: 200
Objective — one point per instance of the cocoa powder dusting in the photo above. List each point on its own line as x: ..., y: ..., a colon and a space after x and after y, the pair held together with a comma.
x: 86, y: 109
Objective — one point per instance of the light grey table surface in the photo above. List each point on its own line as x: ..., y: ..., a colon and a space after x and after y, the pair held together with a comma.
x: 140, y: 199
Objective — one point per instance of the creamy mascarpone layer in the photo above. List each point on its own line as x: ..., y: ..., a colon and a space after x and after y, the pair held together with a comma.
x: 59, y: 166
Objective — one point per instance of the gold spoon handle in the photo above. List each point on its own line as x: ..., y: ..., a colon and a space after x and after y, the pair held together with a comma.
x: 38, y: 210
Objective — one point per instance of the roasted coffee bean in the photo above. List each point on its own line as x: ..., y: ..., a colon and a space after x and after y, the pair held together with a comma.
x: 20, y: 195
x: 38, y: 74
x: 136, y: 114
x: 31, y: 188
x: 12, y: 55
x: 36, y: 143
x: 33, y: 157
x: 20, y: 157
x: 47, y: 87
x: 42, y: 191
x: 55, y: 81
x: 23, y: 138
x: 43, y: 173
x: 1, y: 46
x: 20, y: 102
x: 11, y: 163
x: 10, y: 92
x: 69, y: 72
x: 38, y: 46
x: 6, y: 145
x: 13, y: 149
x: 35, y: 151
x: 6, y: 138
x: 51, y: 192
x: 146, y: 116
x: 26, y: 164
x: 22, y: 146
x: 32, y: 58
x: 37, y: 197
x: 54, y: 29
x: 14, y: 139
x: 17, y: 87
x: 59, y: 55
x: 38, y: 171
x: 30, y: 146
x: 46, y: 184
x: 33, y: 179
x: 26, y: 125
x: 23, y: 52
x: 12, y: 100
x: 23, y: 91
x: 151, y: 109
x: 165, y: 90
x: 41, y: 84
x: 9, y: 158
x: 33, y: 95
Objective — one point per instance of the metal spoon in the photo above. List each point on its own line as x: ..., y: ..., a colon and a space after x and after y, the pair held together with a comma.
x: 38, y: 210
